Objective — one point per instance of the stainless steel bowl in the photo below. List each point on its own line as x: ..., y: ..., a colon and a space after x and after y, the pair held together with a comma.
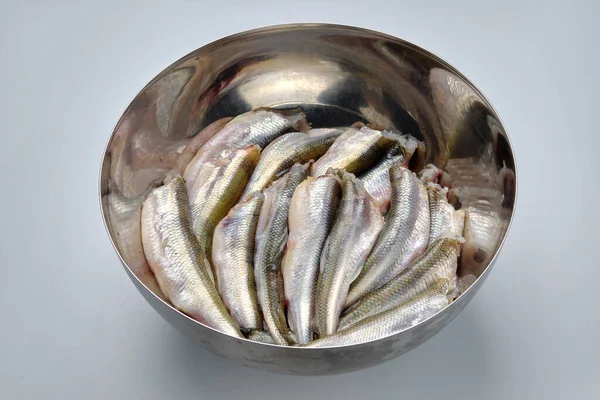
x: 338, y: 74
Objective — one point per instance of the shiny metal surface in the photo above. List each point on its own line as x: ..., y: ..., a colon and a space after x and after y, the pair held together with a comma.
x: 339, y: 75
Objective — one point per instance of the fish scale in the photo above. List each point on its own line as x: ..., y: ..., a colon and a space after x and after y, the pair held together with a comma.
x: 438, y: 261
x: 392, y: 321
x: 285, y: 151
x: 175, y: 257
x: 259, y: 127
x: 444, y: 218
x: 311, y: 215
x: 218, y: 191
x: 357, y: 224
x: 271, y: 237
x: 355, y: 151
x: 404, y: 236
x: 233, y: 258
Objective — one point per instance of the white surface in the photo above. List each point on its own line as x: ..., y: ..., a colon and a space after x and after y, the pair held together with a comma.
x: 74, y: 327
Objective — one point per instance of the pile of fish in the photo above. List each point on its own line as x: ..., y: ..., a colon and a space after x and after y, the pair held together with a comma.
x: 275, y: 232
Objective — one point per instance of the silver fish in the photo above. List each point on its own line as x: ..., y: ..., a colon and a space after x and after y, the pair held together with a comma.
x: 218, y: 189
x: 392, y: 321
x: 357, y: 224
x: 180, y: 266
x: 377, y: 182
x: 258, y: 127
x: 311, y: 215
x: 356, y: 150
x: 438, y: 261
x: 443, y: 216
x: 124, y: 215
x: 233, y: 258
x: 271, y: 237
x: 404, y: 236
x: 285, y: 151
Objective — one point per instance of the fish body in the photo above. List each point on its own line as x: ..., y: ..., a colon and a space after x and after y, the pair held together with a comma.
x: 286, y: 150
x: 233, y: 259
x: 392, y: 321
x: 355, y: 151
x: 443, y: 216
x: 217, y: 190
x: 258, y: 127
x: 438, y: 261
x: 271, y: 237
x: 377, y: 181
x: 312, y: 211
x: 404, y: 236
x: 357, y: 223
x: 124, y: 223
x: 175, y: 257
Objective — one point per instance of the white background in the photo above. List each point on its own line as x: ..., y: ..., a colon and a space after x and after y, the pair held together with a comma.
x: 72, y: 325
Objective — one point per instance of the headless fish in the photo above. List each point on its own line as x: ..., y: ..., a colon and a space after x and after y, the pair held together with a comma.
x: 404, y: 236
x: 175, y: 257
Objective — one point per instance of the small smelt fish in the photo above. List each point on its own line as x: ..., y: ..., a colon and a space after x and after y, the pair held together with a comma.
x: 443, y: 216
x: 356, y: 150
x: 404, y: 236
x: 377, y: 182
x: 271, y: 237
x: 285, y: 151
x: 357, y: 224
x: 124, y: 215
x: 259, y: 127
x: 175, y: 257
x: 392, y: 321
x: 311, y: 216
x: 438, y: 261
x: 233, y: 259
x: 218, y: 189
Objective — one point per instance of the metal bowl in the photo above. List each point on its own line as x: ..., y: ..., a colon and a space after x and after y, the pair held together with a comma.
x: 339, y: 75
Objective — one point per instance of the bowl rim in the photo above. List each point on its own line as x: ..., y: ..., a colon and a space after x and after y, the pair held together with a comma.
x: 307, y: 26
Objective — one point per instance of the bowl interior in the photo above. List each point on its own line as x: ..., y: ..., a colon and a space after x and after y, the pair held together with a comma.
x: 338, y: 75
